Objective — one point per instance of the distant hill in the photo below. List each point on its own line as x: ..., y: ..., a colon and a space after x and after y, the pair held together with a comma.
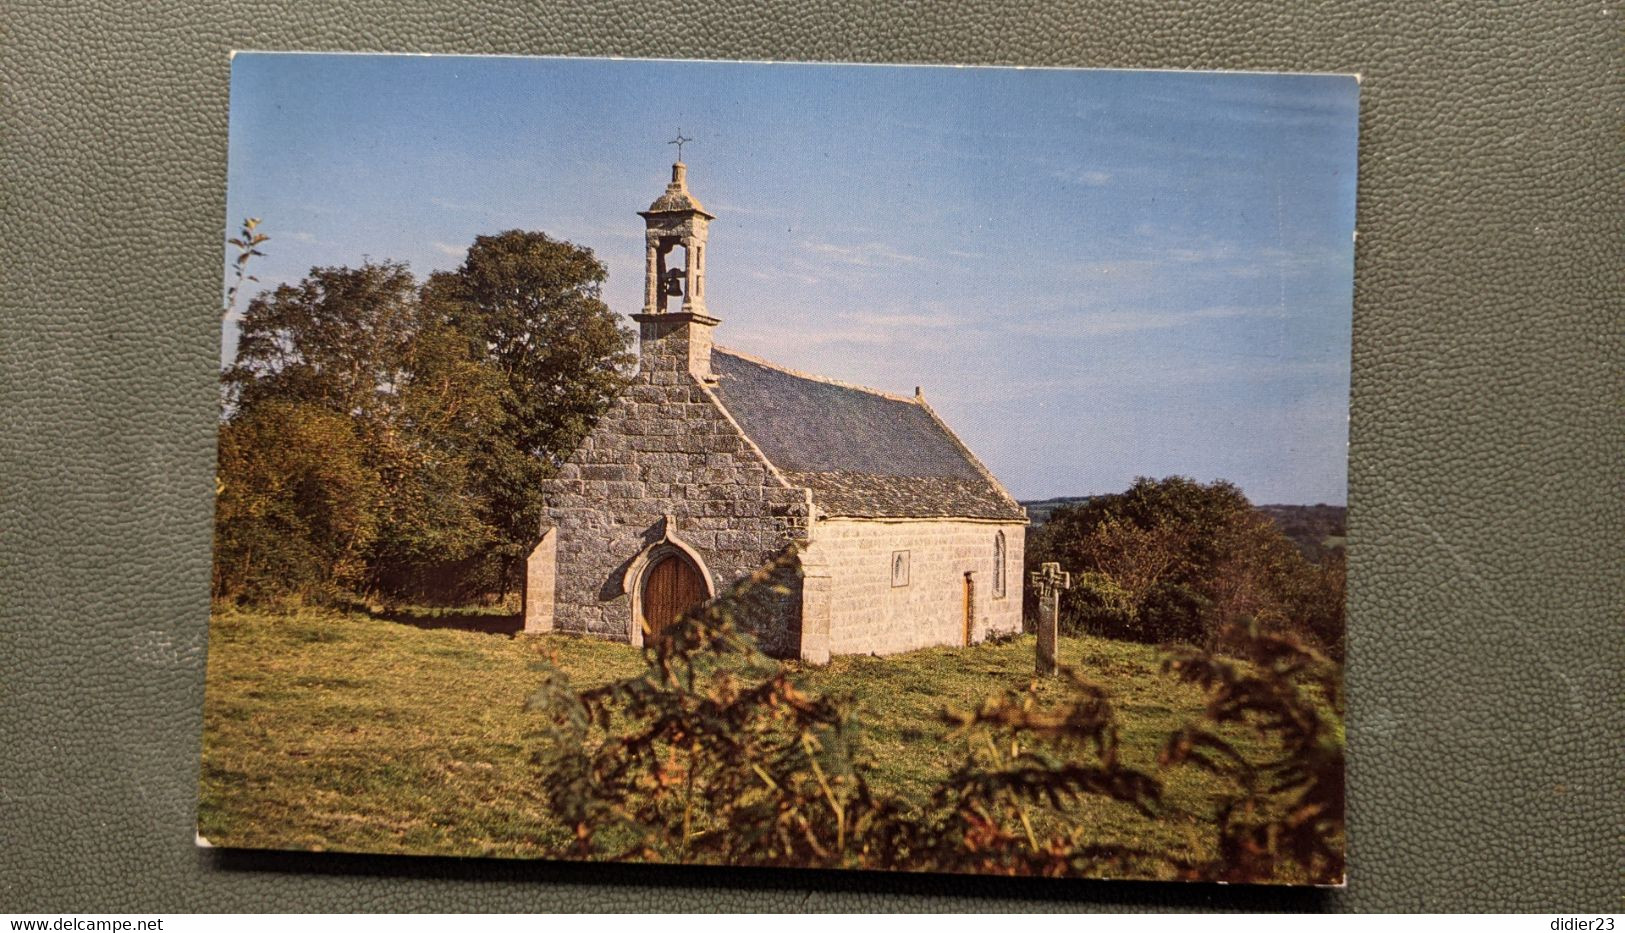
x: 1038, y: 510
x: 1315, y: 529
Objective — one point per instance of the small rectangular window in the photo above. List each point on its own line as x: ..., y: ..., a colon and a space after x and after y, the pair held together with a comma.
x: 899, y: 568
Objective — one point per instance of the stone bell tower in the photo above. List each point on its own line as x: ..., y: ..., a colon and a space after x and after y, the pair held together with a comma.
x: 674, y: 329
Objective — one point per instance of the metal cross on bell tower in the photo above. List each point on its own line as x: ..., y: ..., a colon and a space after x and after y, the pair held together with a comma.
x: 678, y: 142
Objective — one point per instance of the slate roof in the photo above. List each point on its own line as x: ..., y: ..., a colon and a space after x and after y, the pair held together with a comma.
x: 861, y: 452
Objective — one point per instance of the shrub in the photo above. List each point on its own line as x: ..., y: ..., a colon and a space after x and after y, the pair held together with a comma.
x: 297, y: 509
x: 715, y: 754
x: 1009, y: 808
x: 1173, y: 560
x: 1287, y: 808
x: 712, y: 754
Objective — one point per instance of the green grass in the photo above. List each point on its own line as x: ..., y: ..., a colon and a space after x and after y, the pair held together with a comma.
x: 346, y: 732
x: 899, y: 698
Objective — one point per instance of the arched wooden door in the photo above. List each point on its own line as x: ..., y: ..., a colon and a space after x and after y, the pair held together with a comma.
x: 673, y: 587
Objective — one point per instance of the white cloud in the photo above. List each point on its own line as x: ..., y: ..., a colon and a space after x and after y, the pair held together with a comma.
x: 456, y: 252
x: 1209, y: 252
x: 867, y: 255
x: 466, y: 206
x: 739, y: 210
x: 1093, y: 178
x: 1323, y: 390
x: 896, y: 319
x: 305, y: 237
x: 782, y: 275
x: 888, y: 331
x: 1094, y: 323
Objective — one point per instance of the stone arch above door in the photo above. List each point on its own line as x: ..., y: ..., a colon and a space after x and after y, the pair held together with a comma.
x: 637, y: 574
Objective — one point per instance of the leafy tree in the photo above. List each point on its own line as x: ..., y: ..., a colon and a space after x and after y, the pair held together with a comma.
x: 337, y: 340
x: 532, y: 306
x: 298, y: 505
x: 1254, y: 573
x: 1318, y: 596
x: 1178, y: 560
x: 436, y: 533
x: 459, y: 397
x: 1128, y: 564
x: 322, y: 362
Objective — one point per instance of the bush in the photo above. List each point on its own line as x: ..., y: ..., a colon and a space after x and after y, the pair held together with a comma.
x: 297, y: 506
x: 1010, y: 808
x: 715, y: 754
x: 1174, y: 560
x: 1287, y: 809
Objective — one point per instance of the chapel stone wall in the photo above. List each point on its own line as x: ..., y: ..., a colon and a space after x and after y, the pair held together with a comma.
x: 665, y: 448
x: 870, y: 615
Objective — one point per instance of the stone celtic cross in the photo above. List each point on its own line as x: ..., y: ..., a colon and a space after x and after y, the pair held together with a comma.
x: 1049, y: 581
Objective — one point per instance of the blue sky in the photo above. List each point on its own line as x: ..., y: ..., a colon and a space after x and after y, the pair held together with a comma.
x: 1095, y: 275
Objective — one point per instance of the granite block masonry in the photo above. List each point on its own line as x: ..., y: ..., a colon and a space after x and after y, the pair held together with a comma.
x: 713, y: 464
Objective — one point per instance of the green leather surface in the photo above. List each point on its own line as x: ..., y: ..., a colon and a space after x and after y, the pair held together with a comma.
x: 1487, y: 514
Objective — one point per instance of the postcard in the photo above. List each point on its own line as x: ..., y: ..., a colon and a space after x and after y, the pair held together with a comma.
x: 899, y: 468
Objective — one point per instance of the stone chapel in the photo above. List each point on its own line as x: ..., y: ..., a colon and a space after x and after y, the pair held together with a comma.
x: 714, y: 463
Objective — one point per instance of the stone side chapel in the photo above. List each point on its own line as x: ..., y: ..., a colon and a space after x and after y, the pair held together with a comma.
x: 713, y: 463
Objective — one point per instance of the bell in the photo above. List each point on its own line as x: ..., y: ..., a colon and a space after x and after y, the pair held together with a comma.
x: 673, y: 286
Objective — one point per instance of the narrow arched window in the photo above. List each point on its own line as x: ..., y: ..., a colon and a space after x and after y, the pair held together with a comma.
x: 998, y: 565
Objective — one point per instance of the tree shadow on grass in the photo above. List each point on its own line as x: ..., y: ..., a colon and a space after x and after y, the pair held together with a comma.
x: 489, y: 621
